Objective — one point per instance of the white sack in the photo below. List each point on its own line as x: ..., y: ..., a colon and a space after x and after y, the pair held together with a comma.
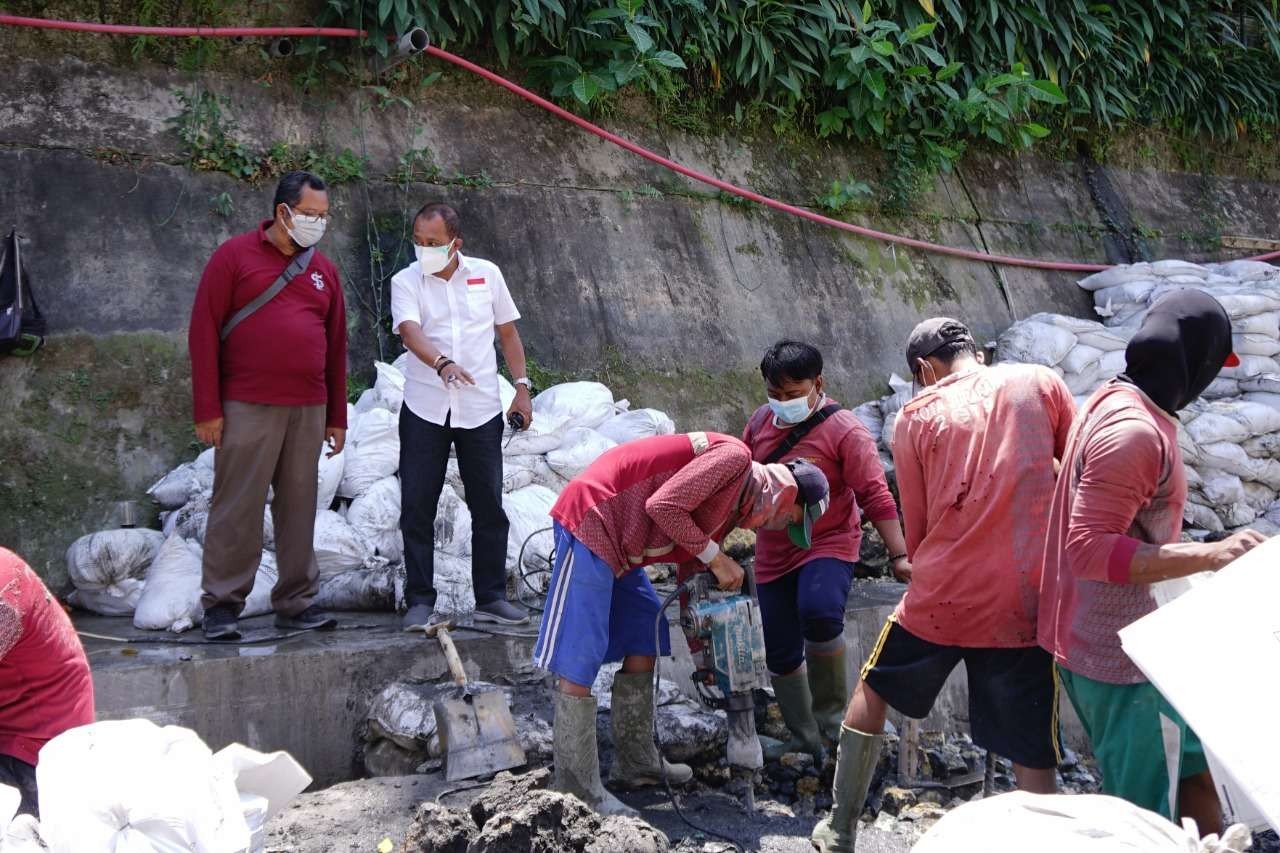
x: 1258, y: 496
x: 1114, y: 276
x: 374, y: 452
x: 529, y: 511
x: 901, y: 393
x: 375, y: 517
x: 1264, y: 446
x: 338, y: 546
x: 1134, y: 292
x: 1221, y: 389
x: 540, y: 472
x: 370, y: 589
x: 275, y: 777
x: 578, y: 404
x: 580, y: 448
x: 452, y: 525
x: 129, y: 785
x: 455, y: 593
x: 328, y: 477
x: 634, y: 425
x: 1266, y: 323
x: 1222, y: 488
x: 1202, y: 517
x: 871, y: 417
x: 1251, y: 365
x: 1082, y: 358
x: 108, y: 567
x: 1270, y: 399
x: 1255, y: 344
x: 171, y: 597
x: 1035, y: 343
x: 1213, y: 426
x: 543, y: 435
x: 177, y: 487
x: 389, y: 387
x: 1269, y: 383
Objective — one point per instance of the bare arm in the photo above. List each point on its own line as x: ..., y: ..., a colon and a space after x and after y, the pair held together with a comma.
x: 513, y: 354
x: 891, y: 532
x: 416, y: 341
x: 1152, y: 563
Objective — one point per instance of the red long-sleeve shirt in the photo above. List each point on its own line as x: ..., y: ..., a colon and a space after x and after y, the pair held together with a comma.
x: 1122, y: 485
x: 45, y: 687
x: 843, y: 449
x: 290, y: 352
x: 660, y: 499
x: 974, y: 459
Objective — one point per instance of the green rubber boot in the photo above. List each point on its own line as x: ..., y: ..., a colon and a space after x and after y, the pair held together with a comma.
x: 856, y: 761
x: 829, y: 684
x: 636, y: 761
x: 577, y: 760
x: 796, y: 703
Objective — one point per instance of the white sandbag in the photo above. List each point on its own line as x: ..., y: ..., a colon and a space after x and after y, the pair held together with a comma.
x: 1081, y: 358
x: 1133, y: 292
x: 1107, y: 340
x: 1254, y: 344
x: 171, y: 597
x: 369, y: 589
x: 1251, y: 365
x: 1082, y: 383
x: 902, y: 390
x: 1270, y: 399
x: 455, y: 592
x: 1066, y: 823
x: 1115, y: 276
x: 1258, y: 496
x: 871, y: 417
x: 1260, y: 524
x: 1255, y: 412
x: 191, y: 521
x: 540, y: 472
x: 515, y: 478
x: 375, y: 516
x: 1232, y: 458
x: 580, y: 448
x: 338, y: 547
x: 129, y: 785
x: 274, y: 777
x: 22, y: 834
x: 1221, y: 389
x: 578, y: 404
x: 1247, y: 304
x: 176, y: 488
x: 506, y: 393
x: 1267, y: 323
x: 328, y: 477
x: 1198, y: 515
x: 1035, y: 343
x: 108, y: 568
x: 1246, y: 270
x: 1212, y: 426
x: 1194, y: 478
x: 1112, y: 365
x: 529, y: 511
x: 389, y: 387
x: 367, y: 400
x: 1263, y: 446
x: 373, y: 452
x: 1235, y: 514
x: 1269, y: 383
x: 886, y: 434
x: 452, y: 525
x: 453, y: 475
x: 258, y: 601
x: 543, y: 435
x: 635, y: 425
x: 1222, y: 488
x: 1175, y: 267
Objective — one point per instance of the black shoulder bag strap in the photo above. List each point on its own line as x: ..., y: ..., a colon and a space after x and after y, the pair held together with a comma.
x: 299, y: 263
x: 799, y: 431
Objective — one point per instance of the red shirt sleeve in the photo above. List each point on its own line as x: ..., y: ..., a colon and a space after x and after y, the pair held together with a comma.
x: 671, y: 507
x: 335, y: 362
x: 209, y: 312
x: 865, y: 475
x: 906, y: 466
x: 1123, y: 463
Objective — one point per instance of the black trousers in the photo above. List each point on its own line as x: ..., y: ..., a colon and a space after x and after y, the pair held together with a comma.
x: 19, y: 774
x: 424, y: 457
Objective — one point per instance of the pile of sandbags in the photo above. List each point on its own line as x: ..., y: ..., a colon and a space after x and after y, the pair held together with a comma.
x: 1230, y: 438
x: 359, y: 547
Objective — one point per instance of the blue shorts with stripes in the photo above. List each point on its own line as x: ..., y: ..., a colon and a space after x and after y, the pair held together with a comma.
x: 593, y: 618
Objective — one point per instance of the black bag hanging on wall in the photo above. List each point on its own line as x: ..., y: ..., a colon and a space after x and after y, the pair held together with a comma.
x: 22, y: 326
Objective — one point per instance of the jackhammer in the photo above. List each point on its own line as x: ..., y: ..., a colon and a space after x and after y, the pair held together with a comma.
x: 726, y: 642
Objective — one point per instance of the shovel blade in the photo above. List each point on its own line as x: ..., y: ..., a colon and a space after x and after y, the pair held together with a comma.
x: 477, y: 736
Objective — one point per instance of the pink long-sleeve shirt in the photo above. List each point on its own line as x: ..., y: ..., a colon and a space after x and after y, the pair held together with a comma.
x: 843, y: 449
x: 660, y: 499
x: 1122, y: 485
x: 974, y: 459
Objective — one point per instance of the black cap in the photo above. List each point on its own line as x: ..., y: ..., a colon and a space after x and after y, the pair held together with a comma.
x: 813, y: 495
x: 932, y: 335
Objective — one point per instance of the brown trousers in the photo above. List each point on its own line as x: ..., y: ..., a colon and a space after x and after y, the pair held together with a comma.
x: 277, y: 446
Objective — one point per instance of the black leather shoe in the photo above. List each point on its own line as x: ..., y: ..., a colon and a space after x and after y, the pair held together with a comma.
x: 220, y: 623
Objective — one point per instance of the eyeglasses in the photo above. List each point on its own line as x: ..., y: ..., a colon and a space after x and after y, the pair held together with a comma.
x: 319, y: 217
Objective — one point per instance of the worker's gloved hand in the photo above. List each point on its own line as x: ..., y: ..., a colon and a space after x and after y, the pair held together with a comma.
x: 727, y: 572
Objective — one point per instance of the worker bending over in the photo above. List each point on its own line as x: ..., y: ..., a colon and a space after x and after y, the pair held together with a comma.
x: 803, y: 588
x: 974, y: 455
x: 1114, y: 527
x: 671, y: 499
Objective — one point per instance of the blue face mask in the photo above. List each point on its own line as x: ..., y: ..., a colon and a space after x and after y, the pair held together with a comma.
x: 791, y: 411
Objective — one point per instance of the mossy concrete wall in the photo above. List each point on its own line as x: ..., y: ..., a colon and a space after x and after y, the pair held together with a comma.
x: 623, y: 271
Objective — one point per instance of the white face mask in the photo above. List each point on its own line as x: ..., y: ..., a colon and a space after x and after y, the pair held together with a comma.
x: 433, y: 259
x: 306, y: 230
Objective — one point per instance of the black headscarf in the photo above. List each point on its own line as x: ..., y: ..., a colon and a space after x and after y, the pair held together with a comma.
x: 1180, y: 349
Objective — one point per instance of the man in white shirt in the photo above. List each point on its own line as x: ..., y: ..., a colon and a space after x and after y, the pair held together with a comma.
x: 445, y: 307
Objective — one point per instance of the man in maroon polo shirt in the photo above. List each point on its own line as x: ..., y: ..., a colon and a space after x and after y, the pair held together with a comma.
x: 269, y: 393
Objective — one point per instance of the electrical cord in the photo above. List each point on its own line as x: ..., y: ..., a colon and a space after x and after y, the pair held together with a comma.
x: 657, y: 743
x: 524, y: 575
x: 242, y: 641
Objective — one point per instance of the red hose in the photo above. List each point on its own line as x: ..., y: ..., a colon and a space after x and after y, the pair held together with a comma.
x: 968, y: 254
x: 129, y: 30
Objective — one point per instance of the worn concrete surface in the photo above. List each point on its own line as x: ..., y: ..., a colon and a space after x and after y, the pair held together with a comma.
x: 623, y: 271
x: 310, y: 694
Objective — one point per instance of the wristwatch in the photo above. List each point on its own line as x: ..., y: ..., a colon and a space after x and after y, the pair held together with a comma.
x: 525, y: 381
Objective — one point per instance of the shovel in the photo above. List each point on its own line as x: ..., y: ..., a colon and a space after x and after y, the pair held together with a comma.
x: 477, y: 733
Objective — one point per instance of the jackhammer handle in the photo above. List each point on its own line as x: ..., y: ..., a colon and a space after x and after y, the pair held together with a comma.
x: 451, y: 656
